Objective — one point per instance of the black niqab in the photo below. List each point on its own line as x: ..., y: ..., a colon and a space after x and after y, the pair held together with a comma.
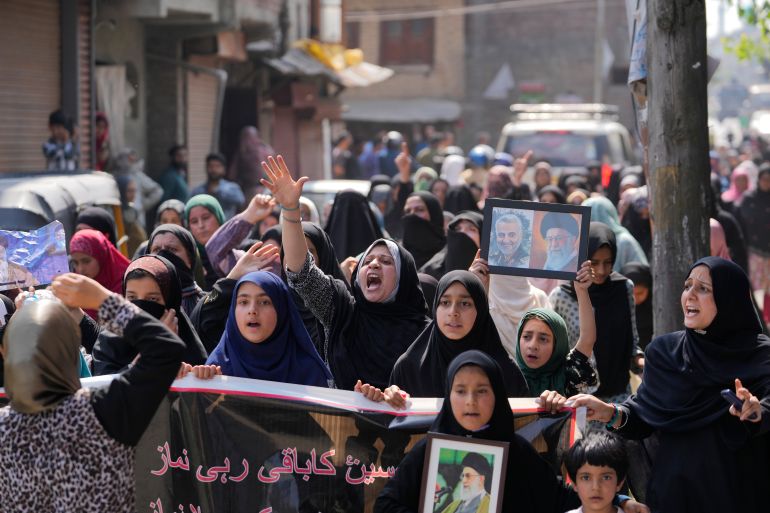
x: 367, y: 341
x: 460, y: 250
x: 614, y: 330
x: 352, y: 226
x: 422, y: 238
x: 422, y: 369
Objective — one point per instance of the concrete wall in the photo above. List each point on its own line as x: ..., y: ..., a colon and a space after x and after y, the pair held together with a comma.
x: 445, y: 79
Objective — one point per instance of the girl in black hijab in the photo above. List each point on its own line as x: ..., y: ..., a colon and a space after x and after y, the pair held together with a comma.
x: 612, y: 296
x: 710, y: 457
x: 177, y: 245
x: 98, y: 219
x: 422, y: 237
x: 460, y: 198
x: 641, y: 275
x: 461, y: 323
x: 369, y: 328
x: 461, y: 246
x: 351, y: 225
x: 530, y: 483
x: 151, y: 283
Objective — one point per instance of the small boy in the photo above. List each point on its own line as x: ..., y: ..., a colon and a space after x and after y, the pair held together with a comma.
x: 597, y: 465
x: 61, y: 151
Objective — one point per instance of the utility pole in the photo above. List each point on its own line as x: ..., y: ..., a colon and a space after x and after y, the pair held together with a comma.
x: 678, y: 149
x: 599, y: 37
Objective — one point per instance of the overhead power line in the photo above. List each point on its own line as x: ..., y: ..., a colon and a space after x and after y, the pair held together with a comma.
x: 508, y: 5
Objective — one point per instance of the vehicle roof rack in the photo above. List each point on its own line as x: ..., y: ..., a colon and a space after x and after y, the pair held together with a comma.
x: 564, y: 111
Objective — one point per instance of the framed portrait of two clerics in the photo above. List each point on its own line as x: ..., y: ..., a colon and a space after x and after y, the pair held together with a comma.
x: 541, y: 240
x: 463, y: 474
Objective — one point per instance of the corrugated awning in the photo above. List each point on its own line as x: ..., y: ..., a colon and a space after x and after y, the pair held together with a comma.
x: 297, y: 62
x: 413, y: 110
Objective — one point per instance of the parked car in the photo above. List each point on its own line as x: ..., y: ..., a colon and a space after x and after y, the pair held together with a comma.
x: 322, y: 192
x: 32, y: 200
x: 568, y: 136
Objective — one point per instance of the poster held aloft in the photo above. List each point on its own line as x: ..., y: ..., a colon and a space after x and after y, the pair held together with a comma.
x: 32, y: 258
x: 541, y: 240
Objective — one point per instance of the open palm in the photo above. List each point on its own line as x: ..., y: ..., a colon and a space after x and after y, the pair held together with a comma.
x: 285, y: 189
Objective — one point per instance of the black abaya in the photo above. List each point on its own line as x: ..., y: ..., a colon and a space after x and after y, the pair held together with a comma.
x: 460, y: 250
x: 352, y: 225
x: 424, y: 238
x: 422, y: 369
x: 530, y: 484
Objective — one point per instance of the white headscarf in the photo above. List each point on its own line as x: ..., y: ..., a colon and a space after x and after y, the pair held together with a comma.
x: 510, y: 297
x: 451, y: 168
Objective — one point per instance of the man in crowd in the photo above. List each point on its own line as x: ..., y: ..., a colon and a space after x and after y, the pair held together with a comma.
x: 228, y: 193
x: 61, y: 150
x: 174, y: 178
x: 344, y: 163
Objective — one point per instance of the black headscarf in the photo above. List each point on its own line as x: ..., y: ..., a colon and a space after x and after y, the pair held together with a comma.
x: 367, y: 341
x: 100, y: 220
x: 422, y: 369
x: 422, y: 238
x: 352, y: 225
x: 557, y: 192
x: 685, y: 371
x: 429, y: 286
x: 191, y: 292
x: 459, y: 198
x: 612, y: 311
x: 460, y: 250
x: 640, y: 274
x: 111, y: 354
x: 273, y: 233
x: 530, y: 484
x: 328, y: 263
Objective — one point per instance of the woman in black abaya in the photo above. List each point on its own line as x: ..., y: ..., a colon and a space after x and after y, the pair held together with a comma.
x: 462, y: 242
x: 422, y: 369
x: 352, y: 225
x: 711, y: 457
x: 423, y: 225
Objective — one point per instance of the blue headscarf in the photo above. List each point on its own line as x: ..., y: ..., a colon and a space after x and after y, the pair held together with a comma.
x: 287, y: 356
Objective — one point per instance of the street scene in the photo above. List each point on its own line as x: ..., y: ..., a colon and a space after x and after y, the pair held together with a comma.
x: 350, y: 256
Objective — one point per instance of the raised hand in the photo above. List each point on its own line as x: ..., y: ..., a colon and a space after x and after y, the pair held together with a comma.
x: 752, y: 409
x: 259, y: 208
x: 170, y: 320
x: 259, y: 257
x: 404, y: 163
x: 585, y: 276
x: 78, y: 291
x: 285, y: 189
x: 520, y: 167
x: 480, y: 267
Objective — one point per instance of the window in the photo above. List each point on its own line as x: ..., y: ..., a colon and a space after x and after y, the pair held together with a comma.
x: 406, y: 42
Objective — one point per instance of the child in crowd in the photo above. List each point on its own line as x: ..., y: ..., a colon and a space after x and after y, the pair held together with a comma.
x: 597, y: 465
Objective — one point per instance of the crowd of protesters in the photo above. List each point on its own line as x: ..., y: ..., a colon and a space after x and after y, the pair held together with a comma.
x: 387, y: 295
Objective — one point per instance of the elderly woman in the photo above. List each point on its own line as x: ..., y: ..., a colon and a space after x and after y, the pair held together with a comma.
x: 712, y: 457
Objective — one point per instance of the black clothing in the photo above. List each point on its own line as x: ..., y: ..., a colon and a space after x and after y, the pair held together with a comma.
x: 393, y: 216
x: 100, y: 220
x: 734, y: 238
x: 422, y: 238
x: 640, y: 228
x: 429, y: 285
x: 126, y: 406
x: 460, y: 250
x: 754, y: 213
x: 352, y: 225
x: 111, y: 355
x: 460, y: 198
x: 557, y: 192
x: 530, y: 483
x: 421, y: 370
x: 367, y: 338
x: 614, y: 345
x: 640, y: 274
x: 708, y: 460
x: 520, y: 193
x: 210, y: 316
